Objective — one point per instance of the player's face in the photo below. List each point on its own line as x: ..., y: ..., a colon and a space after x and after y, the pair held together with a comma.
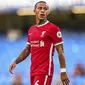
x: 41, y: 11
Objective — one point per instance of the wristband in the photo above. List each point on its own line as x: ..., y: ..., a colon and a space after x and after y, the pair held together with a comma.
x: 63, y: 70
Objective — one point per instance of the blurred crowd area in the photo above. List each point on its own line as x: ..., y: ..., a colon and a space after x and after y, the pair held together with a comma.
x: 14, y: 25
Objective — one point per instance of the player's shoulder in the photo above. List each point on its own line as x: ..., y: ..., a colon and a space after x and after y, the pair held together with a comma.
x: 52, y: 27
x: 31, y: 28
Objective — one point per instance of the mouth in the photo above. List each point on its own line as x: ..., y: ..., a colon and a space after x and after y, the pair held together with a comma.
x: 42, y: 15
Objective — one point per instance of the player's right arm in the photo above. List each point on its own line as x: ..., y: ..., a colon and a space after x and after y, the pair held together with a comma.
x: 24, y: 54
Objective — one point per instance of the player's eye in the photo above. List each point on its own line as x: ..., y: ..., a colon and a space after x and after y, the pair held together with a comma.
x: 40, y: 8
x: 45, y: 8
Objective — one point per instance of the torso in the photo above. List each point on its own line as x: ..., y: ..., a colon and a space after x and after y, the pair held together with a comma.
x: 42, y: 49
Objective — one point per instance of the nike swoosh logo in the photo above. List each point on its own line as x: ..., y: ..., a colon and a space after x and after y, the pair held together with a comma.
x: 30, y: 33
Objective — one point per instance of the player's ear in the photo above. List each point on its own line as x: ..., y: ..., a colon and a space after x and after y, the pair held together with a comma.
x: 34, y: 11
x: 48, y: 12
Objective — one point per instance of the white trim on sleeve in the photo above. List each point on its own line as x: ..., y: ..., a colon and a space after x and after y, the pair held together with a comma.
x: 46, y: 78
x: 27, y: 43
x: 58, y: 43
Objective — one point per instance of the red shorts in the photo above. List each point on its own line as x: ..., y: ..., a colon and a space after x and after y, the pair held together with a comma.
x: 41, y: 80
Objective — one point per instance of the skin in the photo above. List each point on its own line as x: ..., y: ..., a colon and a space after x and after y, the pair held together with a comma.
x: 41, y: 11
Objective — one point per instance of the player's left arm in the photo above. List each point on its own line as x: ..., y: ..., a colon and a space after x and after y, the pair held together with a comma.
x: 56, y: 37
x: 64, y: 77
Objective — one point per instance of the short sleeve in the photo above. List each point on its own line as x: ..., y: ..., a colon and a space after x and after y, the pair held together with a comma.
x: 56, y: 35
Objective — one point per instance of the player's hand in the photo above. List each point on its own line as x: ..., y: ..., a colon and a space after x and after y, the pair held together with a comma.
x: 12, y: 66
x: 64, y: 78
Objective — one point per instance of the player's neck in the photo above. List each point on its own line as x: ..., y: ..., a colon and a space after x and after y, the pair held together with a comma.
x: 40, y: 22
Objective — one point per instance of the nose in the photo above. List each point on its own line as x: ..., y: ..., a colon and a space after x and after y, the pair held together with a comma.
x: 42, y: 10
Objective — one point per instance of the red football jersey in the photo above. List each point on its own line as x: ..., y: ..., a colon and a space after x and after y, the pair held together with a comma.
x: 43, y: 39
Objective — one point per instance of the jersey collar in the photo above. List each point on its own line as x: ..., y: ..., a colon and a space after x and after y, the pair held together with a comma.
x: 43, y: 24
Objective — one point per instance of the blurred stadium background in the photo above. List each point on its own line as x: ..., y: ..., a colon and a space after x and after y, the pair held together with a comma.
x: 16, y: 17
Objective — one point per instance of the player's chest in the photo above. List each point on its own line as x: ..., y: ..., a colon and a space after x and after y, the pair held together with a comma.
x: 38, y: 35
